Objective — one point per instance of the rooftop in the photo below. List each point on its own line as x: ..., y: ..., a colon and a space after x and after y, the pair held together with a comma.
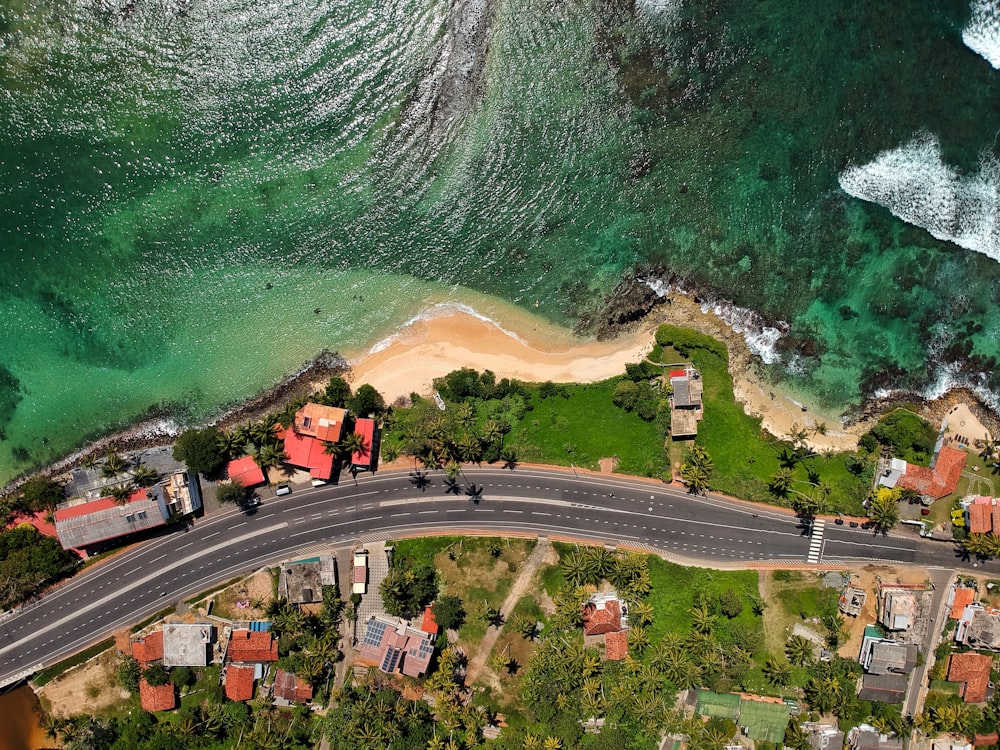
x: 186, y: 644
x: 319, y: 421
x: 939, y: 481
x: 239, y: 683
x: 601, y: 615
x: 366, y: 429
x: 309, y: 453
x: 616, y: 645
x: 429, y: 624
x: 84, y: 523
x: 961, y: 598
x: 888, y: 688
x: 887, y: 657
x: 148, y: 648
x: 396, y: 646
x: 980, y: 519
x: 289, y: 687
x: 301, y: 582
x: 973, y: 670
x: 160, y: 698
x: 245, y: 471
x: 252, y: 646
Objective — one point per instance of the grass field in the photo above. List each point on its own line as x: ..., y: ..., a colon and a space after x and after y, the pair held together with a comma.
x: 795, y: 596
x: 50, y: 673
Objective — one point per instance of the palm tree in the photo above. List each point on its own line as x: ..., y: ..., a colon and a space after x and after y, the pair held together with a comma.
x: 796, y: 737
x: 524, y: 626
x: 883, y: 511
x: 262, y: 432
x: 120, y: 493
x: 469, y: 448
x: 777, y: 672
x: 509, y: 458
x: 575, y: 568
x: 695, y: 477
x: 464, y: 414
x: 599, y: 563
x: 552, y: 743
x: 491, y: 431
x: 232, y: 443
x: 114, y: 465
x: 90, y: 462
x: 145, y: 476
x: 977, y: 544
x: 641, y: 613
x: 269, y: 457
x: 799, y: 650
x: 781, y: 482
x: 638, y: 639
x: 352, y: 443
x: 701, y: 619
x: 531, y: 742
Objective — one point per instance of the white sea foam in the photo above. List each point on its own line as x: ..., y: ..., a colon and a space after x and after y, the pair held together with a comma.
x: 662, y: 11
x: 917, y: 186
x: 982, y: 33
x: 440, y: 310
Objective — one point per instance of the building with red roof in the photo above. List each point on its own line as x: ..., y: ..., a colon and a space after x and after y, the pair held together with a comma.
x: 616, y: 645
x: 308, y: 453
x: 252, y: 646
x: 159, y: 698
x: 980, y: 519
x: 602, y: 614
x: 82, y: 524
x: 429, y: 624
x: 973, y: 671
x: 324, y: 423
x: 245, y: 471
x: 940, y: 479
x: 960, y: 600
x: 364, y: 459
x: 396, y: 647
x: 239, y: 682
x: 289, y: 687
x: 149, y: 648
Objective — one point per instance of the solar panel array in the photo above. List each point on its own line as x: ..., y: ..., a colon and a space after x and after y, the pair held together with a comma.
x: 426, y: 648
x: 390, y: 660
x: 374, y: 633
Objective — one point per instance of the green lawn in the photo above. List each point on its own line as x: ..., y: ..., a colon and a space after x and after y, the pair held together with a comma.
x: 584, y: 426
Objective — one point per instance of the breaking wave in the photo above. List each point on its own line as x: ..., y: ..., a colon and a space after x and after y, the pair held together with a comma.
x: 982, y: 33
x: 917, y: 186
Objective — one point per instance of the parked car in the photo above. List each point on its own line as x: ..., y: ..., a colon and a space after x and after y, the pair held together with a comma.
x: 925, y: 511
x: 283, y: 489
x: 854, y: 524
x: 839, y: 521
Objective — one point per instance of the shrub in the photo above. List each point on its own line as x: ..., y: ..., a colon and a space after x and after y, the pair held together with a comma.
x: 232, y: 492
x: 200, y: 450
x: 449, y: 612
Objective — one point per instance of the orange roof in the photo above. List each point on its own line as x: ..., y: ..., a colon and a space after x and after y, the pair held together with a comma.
x: 290, y: 687
x: 429, y: 624
x: 616, y: 645
x: 606, y: 619
x: 149, y: 648
x: 245, y: 471
x: 309, y: 453
x: 159, y: 698
x: 985, y: 740
x: 366, y: 429
x: 322, y: 422
x: 996, y: 519
x: 963, y: 597
x: 939, y: 481
x: 252, y: 645
x: 239, y: 683
x: 974, y: 670
x: 104, y: 503
x: 980, y: 519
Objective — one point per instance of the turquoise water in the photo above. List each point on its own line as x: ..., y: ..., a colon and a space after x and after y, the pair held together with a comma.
x: 159, y: 169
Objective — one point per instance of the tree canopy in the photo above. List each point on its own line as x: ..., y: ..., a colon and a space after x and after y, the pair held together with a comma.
x: 449, y: 612
x: 201, y: 450
x: 366, y: 401
x: 28, y: 559
x: 407, y: 590
x: 40, y: 493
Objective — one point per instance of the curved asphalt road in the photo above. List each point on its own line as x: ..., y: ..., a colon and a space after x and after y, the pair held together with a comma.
x: 609, y: 509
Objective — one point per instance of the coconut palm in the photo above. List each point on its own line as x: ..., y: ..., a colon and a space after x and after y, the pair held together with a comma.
x: 531, y: 742
x: 524, y: 626
x: 701, y: 619
x: 269, y: 457
x: 600, y: 563
x: 232, y: 443
x: 883, y: 511
x: 575, y: 567
x: 352, y: 443
x: 781, y: 482
x: 120, y: 493
x: 638, y: 638
x: 491, y: 431
x: 509, y: 458
x: 552, y: 743
x: 464, y: 414
x: 796, y: 737
x: 469, y: 448
x: 777, y: 672
x: 976, y: 544
x: 263, y: 432
x: 641, y: 613
x: 696, y: 478
x: 145, y: 476
x: 114, y: 465
x: 799, y: 650
x: 90, y: 462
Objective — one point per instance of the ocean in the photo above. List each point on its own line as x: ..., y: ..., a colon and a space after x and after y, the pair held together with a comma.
x: 197, y: 196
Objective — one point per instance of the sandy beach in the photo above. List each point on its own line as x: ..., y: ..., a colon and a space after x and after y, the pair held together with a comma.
x: 528, y: 348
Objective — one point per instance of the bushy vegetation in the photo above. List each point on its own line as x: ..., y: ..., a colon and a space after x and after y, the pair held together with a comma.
x: 29, y: 561
x: 201, y: 451
x: 904, y: 435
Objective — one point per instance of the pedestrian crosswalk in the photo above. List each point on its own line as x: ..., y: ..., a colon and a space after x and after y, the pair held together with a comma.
x: 816, y: 541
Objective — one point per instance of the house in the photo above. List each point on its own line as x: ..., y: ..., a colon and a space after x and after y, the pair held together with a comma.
x: 960, y: 598
x: 302, y: 581
x: 867, y: 737
x: 186, y: 644
x: 245, y: 471
x: 148, y: 648
x: 900, y: 606
x: 325, y: 423
x: 940, y: 479
x: 979, y: 627
x: 159, y: 698
x: 365, y: 459
x: 239, y: 682
x: 181, y: 493
x: 289, y: 688
x: 823, y: 736
x: 252, y: 645
x: 310, y: 453
x: 396, y: 646
x: 605, y: 614
x: 982, y: 514
x: 852, y: 600
x: 85, y: 524
x: 973, y: 671
x: 891, y: 472
x: 888, y: 688
x: 685, y: 404
x: 429, y: 624
x: 616, y: 645
x: 888, y: 657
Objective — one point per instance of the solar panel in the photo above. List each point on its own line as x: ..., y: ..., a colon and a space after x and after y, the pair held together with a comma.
x: 426, y: 648
x: 374, y: 633
x: 390, y: 660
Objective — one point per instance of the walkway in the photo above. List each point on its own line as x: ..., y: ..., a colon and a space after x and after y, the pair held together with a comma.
x: 520, y: 588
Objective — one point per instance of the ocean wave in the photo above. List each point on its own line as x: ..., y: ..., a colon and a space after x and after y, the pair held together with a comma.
x: 440, y: 310
x: 664, y: 12
x: 982, y: 33
x: 915, y: 184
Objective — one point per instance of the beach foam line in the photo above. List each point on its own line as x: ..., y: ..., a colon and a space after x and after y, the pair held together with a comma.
x: 982, y: 33
x: 440, y: 310
x: 915, y: 184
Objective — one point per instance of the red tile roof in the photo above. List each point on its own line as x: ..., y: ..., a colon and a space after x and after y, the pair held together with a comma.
x: 149, y: 648
x: 366, y: 429
x: 322, y: 422
x: 604, y: 619
x: 962, y: 598
x: 429, y: 624
x: 309, y: 453
x: 939, y: 481
x: 104, y: 503
x: 160, y: 698
x: 239, y: 683
x: 980, y: 519
x: 36, y: 519
x: 996, y: 519
x: 616, y: 645
x: 245, y: 471
x: 974, y: 670
x: 289, y: 687
x: 252, y: 646
x: 412, y: 648
x: 985, y: 740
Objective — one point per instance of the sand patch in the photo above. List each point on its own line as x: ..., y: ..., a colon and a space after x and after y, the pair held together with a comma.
x: 86, y: 689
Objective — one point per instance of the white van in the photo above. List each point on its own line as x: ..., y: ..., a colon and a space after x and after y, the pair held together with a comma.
x: 283, y: 489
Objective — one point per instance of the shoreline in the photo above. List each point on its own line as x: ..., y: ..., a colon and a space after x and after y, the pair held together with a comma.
x: 514, y: 343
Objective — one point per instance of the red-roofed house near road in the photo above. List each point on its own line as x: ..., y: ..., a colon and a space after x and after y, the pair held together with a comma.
x: 616, y: 645
x: 159, y: 698
x: 980, y: 519
x: 288, y: 687
x: 324, y: 423
x: 148, y: 648
x: 602, y: 614
x: 252, y: 646
x: 973, y: 671
x: 365, y: 459
x: 939, y: 480
x: 309, y: 453
x: 429, y: 624
x: 960, y: 600
x: 396, y: 647
x: 84, y: 525
x: 245, y: 471
x: 239, y: 683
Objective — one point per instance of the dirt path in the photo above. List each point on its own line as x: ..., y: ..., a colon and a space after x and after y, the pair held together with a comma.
x: 519, y: 589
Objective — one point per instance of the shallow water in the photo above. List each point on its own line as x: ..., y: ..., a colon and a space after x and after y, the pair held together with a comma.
x: 192, y: 205
x: 20, y: 726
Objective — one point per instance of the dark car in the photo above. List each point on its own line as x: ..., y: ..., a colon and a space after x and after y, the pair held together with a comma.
x: 854, y: 524
x: 925, y: 511
x: 839, y: 521
x: 868, y: 525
